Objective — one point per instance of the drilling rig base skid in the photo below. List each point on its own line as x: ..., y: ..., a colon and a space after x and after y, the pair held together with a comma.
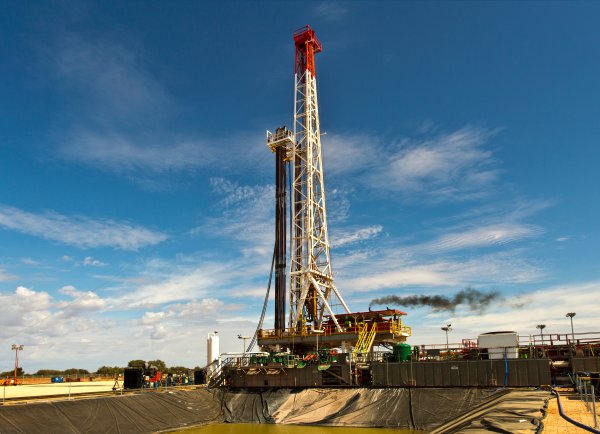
x: 374, y: 327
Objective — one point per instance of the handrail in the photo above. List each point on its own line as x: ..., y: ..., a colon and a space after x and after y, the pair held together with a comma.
x: 370, y: 339
x: 395, y: 327
x: 361, y: 337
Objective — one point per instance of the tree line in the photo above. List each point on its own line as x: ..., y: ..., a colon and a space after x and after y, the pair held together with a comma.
x: 104, y: 370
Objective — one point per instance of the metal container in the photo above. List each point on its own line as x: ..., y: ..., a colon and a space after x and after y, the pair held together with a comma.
x: 500, y: 345
x: 133, y: 378
x: 402, y: 352
x: 212, y: 352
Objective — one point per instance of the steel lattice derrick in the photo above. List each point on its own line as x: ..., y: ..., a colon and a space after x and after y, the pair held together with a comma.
x: 312, y: 292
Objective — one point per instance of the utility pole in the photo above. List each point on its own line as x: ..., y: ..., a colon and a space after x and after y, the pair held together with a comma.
x: 244, y: 339
x: 542, y: 327
x: 570, y: 315
x: 17, y: 348
x: 447, y: 329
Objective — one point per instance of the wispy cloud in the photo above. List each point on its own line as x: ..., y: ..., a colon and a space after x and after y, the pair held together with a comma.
x: 5, y: 277
x: 330, y: 10
x: 246, y: 214
x: 449, y: 166
x: 122, y: 116
x: 483, y: 236
x: 350, y: 153
x: 445, y: 166
x: 347, y: 237
x: 111, y: 80
x: 135, y: 154
x: 79, y: 231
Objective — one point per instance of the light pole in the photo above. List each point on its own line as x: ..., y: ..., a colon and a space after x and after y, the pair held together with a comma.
x: 571, y: 315
x: 542, y: 327
x: 244, y: 339
x: 447, y: 329
x: 17, y: 348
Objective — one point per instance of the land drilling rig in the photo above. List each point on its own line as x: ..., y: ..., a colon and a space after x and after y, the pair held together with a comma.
x: 317, y: 311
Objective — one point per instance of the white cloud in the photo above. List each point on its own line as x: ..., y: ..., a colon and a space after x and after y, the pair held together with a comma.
x: 354, y: 236
x: 79, y: 231
x: 252, y: 292
x: 167, y: 283
x: 82, y: 301
x: 67, y: 258
x: 395, y: 269
x: 26, y: 306
x: 88, y: 261
x: 421, y: 275
x: 152, y: 318
x: 565, y: 298
x: 158, y: 332
x: 205, y: 310
x: 29, y: 261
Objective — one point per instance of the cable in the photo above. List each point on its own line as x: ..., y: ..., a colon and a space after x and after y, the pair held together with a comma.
x: 264, y: 309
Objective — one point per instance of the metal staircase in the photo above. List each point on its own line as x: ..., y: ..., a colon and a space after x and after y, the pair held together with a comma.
x: 217, y: 377
x: 365, y: 340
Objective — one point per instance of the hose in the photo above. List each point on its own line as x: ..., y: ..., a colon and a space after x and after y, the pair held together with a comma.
x: 568, y: 419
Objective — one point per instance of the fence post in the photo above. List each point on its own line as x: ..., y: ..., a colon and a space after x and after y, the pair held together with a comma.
x: 594, y: 406
x: 585, y: 394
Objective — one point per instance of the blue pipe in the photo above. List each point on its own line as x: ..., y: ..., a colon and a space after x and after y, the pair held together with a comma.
x: 505, y: 369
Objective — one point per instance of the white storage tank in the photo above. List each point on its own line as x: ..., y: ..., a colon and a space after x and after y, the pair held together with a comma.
x: 499, y: 344
x: 212, y: 352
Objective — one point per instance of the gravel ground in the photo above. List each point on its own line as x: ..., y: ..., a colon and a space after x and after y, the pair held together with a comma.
x: 573, y: 407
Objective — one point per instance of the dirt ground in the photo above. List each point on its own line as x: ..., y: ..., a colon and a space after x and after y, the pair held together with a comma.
x: 573, y: 407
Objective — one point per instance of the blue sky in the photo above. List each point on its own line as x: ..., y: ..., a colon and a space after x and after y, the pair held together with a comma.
x: 136, y: 208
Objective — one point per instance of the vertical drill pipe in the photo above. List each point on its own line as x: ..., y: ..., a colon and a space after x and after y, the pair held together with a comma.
x: 280, y: 239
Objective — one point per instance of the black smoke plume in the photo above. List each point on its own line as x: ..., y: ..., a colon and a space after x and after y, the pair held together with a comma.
x: 477, y: 301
